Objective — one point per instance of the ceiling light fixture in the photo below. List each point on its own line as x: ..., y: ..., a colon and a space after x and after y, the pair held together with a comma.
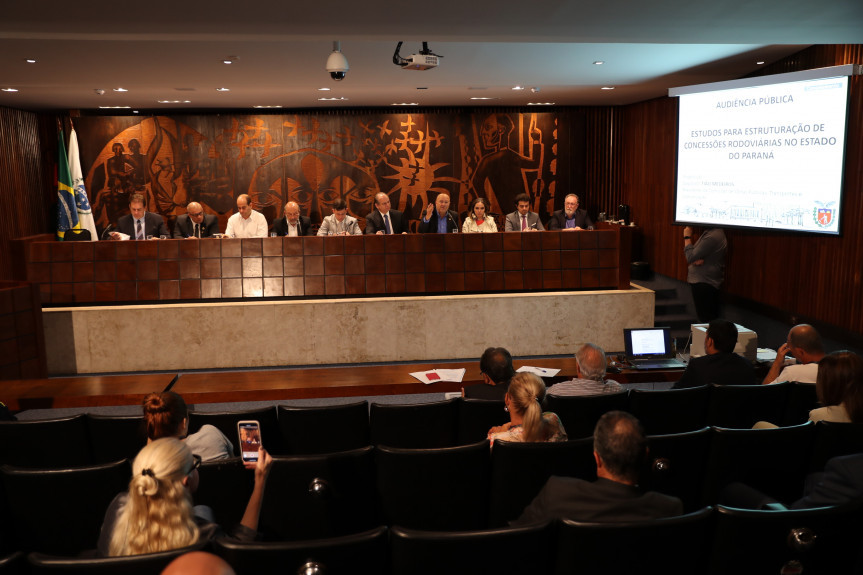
x: 223, y: 89
x: 598, y: 63
x: 10, y: 89
x: 120, y: 90
x: 337, y: 64
x: 331, y: 99
x: 540, y: 103
x: 173, y: 101
x: 518, y: 87
x: 323, y: 89
x: 482, y: 98
x: 760, y: 62
x: 30, y: 60
x: 114, y: 107
x: 230, y: 60
x: 608, y: 87
x: 266, y: 107
x: 405, y: 104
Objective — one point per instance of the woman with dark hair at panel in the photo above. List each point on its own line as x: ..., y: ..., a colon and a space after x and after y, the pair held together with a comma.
x: 156, y: 514
x: 839, y: 386
x: 477, y: 219
x: 166, y: 415
x: 527, y: 422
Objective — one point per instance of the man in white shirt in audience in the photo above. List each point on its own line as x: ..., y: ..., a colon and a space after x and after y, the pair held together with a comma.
x: 246, y: 223
x: 805, y: 345
x: 590, y: 365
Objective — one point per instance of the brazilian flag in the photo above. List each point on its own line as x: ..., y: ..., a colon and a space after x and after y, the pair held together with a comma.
x: 67, y: 210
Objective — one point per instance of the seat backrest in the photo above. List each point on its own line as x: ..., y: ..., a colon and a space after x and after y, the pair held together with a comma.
x: 414, y: 426
x: 579, y: 414
x: 61, y: 510
x: 326, y: 429
x: 670, y: 411
x: 225, y: 485
x: 315, y: 496
x: 115, y: 437
x: 834, y: 439
x: 508, y: 550
x: 477, y: 416
x: 802, y: 398
x: 520, y: 470
x: 48, y: 443
x: 742, y: 406
x: 364, y: 552
x: 226, y: 422
x: 677, y: 465
x: 434, y: 489
x: 676, y: 545
x: 146, y: 564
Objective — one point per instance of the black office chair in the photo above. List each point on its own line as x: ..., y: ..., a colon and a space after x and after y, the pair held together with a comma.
x: 415, y: 426
x: 364, y: 552
x: 833, y: 439
x: 520, y: 470
x: 147, y: 564
x: 226, y: 422
x: 115, y: 437
x: 675, y: 545
x: 225, y: 486
x: 677, y: 465
x: 326, y: 429
x: 14, y: 564
x: 315, y: 496
x: 742, y: 406
x: 525, y: 550
x: 47, y: 443
x: 60, y: 511
x: 477, y: 416
x: 579, y: 414
x: 442, y: 489
x: 663, y: 412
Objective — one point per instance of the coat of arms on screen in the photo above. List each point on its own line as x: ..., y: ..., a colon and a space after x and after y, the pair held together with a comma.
x: 824, y: 214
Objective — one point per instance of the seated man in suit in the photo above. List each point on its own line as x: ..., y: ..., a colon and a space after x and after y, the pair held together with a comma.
x: 721, y: 365
x: 620, y: 449
x: 590, y: 366
x: 523, y: 220
x: 495, y: 365
x: 438, y: 218
x: 140, y: 223
x: 383, y: 220
x: 570, y: 218
x: 292, y: 223
x: 246, y: 223
x: 339, y: 223
x: 195, y: 223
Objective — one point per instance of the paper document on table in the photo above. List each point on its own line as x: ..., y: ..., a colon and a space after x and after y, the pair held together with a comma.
x: 540, y: 371
x: 434, y: 375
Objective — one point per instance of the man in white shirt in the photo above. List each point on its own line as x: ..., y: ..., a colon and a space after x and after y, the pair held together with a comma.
x: 339, y: 223
x: 805, y: 345
x: 246, y: 223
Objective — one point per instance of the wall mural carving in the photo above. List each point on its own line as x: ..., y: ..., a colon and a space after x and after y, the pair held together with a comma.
x: 315, y: 158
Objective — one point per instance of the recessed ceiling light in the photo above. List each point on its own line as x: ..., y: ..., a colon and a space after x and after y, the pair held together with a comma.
x: 540, y: 103
x: 174, y: 101
x: 230, y: 60
x: 760, y: 62
x: 30, y: 60
x: 323, y: 89
x: 608, y: 87
x: 598, y: 63
x: 223, y: 89
x: 134, y: 111
x: 518, y: 87
x: 114, y: 107
x: 120, y: 90
x: 10, y: 89
x: 482, y: 98
x: 405, y: 104
x: 265, y: 107
x: 334, y: 99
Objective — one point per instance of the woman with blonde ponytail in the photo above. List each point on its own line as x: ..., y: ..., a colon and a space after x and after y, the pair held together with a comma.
x: 527, y: 421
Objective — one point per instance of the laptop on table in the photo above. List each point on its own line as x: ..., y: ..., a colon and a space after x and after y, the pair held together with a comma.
x: 650, y: 348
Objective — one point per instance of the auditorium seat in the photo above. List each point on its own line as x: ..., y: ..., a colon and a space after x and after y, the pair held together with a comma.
x: 773, y: 461
x: 364, y: 552
x: 325, y: 429
x: 802, y: 398
x: 315, y: 496
x: 671, y: 410
x: 675, y: 545
x: 47, y: 443
x: 741, y: 406
x: 60, y: 511
x: 414, y: 426
x: 520, y: 470
x: 226, y: 422
x: 822, y: 540
x: 525, y: 550
x: 477, y: 416
x: 579, y: 414
x: 225, y: 486
x: 14, y: 564
x: 677, y: 465
x: 147, y: 564
x: 115, y: 437
x: 834, y: 439
x: 443, y: 489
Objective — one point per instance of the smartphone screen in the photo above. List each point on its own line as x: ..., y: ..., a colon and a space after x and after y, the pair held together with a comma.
x: 250, y: 439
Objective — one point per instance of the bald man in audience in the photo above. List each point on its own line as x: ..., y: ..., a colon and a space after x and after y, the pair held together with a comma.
x: 195, y: 224
x: 805, y: 345
x: 292, y: 223
x: 590, y: 366
x: 198, y: 563
x: 246, y: 223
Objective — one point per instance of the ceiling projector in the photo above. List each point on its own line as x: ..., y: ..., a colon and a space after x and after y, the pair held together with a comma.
x: 425, y: 59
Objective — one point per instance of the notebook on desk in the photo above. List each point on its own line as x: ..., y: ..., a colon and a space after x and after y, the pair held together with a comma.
x: 650, y: 348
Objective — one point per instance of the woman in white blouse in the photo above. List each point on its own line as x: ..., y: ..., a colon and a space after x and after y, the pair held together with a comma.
x: 478, y: 220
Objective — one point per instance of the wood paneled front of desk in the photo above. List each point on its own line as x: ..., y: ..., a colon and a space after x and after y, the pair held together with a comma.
x: 211, y: 269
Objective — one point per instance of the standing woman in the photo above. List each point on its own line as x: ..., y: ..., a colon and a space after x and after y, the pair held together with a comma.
x: 527, y: 421
x: 478, y: 220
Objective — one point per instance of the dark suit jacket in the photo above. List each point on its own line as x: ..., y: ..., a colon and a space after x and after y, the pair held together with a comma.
x: 375, y: 222
x: 602, y: 500
x: 430, y: 227
x: 154, y: 225
x: 721, y: 368
x: 558, y: 220
x: 184, y: 227
x: 485, y: 391
x: 841, y: 482
x: 281, y: 226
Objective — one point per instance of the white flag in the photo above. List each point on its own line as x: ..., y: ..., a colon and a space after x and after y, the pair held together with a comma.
x: 85, y: 213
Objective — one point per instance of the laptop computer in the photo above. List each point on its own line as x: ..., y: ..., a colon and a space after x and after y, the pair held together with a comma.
x: 650, y: 348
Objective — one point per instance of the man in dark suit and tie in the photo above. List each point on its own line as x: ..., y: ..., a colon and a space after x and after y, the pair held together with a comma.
x: 438, y: 218
x: 292, y: 223
x: 570, y: 217
x: 195, y: 223
x: 383, y: 220
x: 140, y: 223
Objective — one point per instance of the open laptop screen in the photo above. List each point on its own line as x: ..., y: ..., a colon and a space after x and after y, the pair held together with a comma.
x: 648, y: 343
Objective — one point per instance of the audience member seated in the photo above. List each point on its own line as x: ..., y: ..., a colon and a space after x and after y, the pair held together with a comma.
x: 804, y: 344
x: 198, y: 563
x: 590, y: 365
x: 721, y: 365
x: 495, y: 365
x: 166, y: 415
x: 156, y: 514
x: 527, y: 422
x: 620, y: 450
x: 478, y: 220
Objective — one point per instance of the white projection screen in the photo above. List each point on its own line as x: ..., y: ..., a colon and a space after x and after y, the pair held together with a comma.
x: 769, y: 155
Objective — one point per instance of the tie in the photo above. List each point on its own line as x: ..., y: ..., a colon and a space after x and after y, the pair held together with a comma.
x: 387, y: 224
x: 139, y: 235
x: 523, y: 223
x: 197, y: 230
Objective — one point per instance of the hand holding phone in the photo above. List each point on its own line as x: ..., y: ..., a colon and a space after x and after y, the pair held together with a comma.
x: 250, y: 439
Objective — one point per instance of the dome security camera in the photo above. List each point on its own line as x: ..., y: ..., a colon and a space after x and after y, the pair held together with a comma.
x: 337, y: 64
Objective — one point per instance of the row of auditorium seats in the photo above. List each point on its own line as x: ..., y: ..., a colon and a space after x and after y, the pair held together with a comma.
x: 715, y: 541
x: 89, y: 439
x: 446, y: 489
